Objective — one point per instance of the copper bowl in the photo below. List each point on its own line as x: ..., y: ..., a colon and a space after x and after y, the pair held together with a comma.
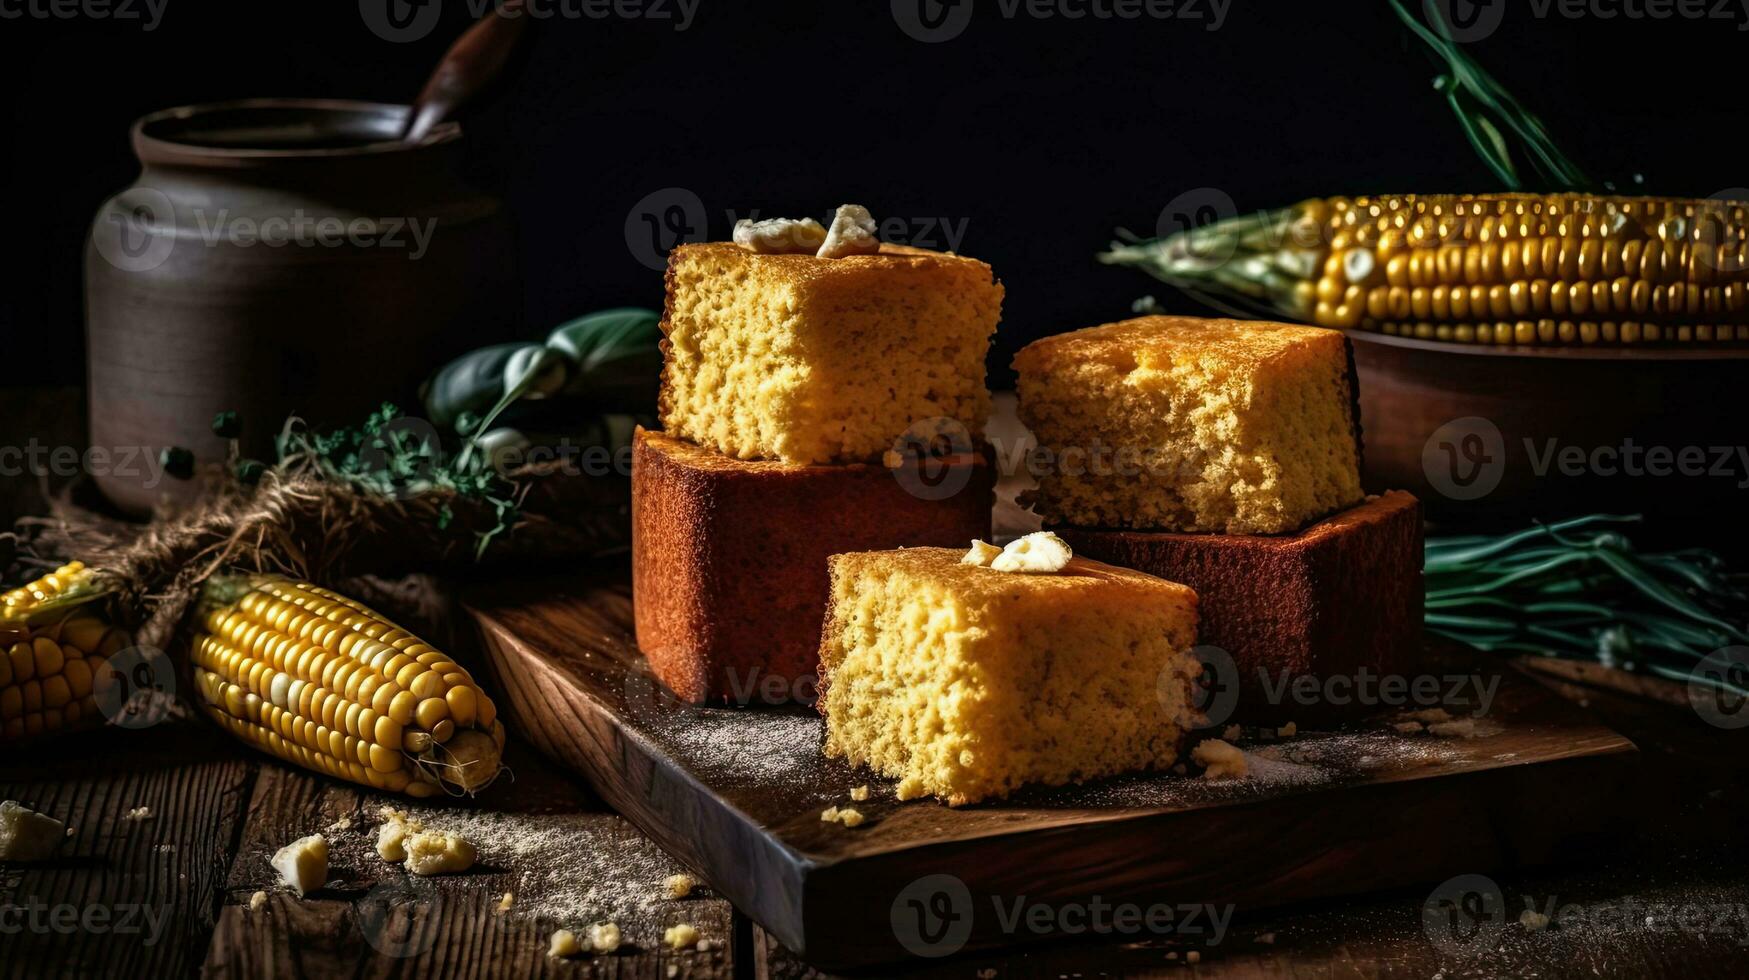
x: 1492, y: 437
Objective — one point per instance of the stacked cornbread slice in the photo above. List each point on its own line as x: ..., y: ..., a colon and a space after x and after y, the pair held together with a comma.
x: 1206, y: 425
x: 791, y: 381
x: 1225, y: 455
x: 804, y: 359
x: 965, y: 681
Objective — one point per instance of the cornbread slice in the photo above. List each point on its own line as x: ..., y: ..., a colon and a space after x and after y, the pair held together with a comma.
x: 1181, y: 424
x: 816, y: 360
x: 966, y: 683
x: 1340, y: 599
x: 729, y: 556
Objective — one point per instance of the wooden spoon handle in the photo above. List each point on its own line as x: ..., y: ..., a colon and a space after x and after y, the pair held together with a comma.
x: 470, y: 64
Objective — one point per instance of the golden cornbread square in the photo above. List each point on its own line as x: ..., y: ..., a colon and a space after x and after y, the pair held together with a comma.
x: 822, y: 360
x: 967, y: 683
x: 1184, y: 424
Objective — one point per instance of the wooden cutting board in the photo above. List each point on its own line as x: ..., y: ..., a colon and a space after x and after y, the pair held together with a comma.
x: 737, y: 796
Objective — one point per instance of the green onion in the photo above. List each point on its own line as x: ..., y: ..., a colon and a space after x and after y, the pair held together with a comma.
x: 1579, y: 589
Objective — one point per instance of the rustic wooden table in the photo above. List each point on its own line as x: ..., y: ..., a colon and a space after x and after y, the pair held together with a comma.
x: 168, y: 895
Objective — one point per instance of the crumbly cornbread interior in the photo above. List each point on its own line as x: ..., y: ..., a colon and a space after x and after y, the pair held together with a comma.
x: 1183, y: 424
x: 966, y: 683
x: 820, y: 360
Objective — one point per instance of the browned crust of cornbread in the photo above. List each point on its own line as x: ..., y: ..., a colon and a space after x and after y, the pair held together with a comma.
x: 1119, y: 340
x: 981, y: 583
x: 799, y: 270
x: 1343, y: 594
x: 729, y: 578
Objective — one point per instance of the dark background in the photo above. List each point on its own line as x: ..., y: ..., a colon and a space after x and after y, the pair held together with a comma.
x: 1041, y: 136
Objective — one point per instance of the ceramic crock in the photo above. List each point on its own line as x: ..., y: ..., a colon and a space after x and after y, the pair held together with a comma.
x: 280, y: 256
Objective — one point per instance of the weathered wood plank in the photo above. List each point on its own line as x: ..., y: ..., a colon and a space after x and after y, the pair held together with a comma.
x: 374, y: 920
x: 123, y: 897
x: 737, y: 795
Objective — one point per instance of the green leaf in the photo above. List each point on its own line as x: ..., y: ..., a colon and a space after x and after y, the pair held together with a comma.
x: 472, y: 383
x: 616, y: 356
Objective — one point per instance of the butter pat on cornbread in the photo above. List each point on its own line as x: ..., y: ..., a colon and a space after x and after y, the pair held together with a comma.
x: 1183, y: 424
x: 966, y: 683
x: 810, y: 359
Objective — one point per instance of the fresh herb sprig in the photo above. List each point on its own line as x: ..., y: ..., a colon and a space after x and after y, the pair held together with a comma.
x: 1491, y: 118
x: 1580, y: 589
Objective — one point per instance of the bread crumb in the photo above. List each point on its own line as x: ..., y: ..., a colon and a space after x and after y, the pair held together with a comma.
x: 344, y: 823
x: 982, y: 554
x: 706, y: 945
x: 772, y: 236
x: 673, y: 971
x: 1040, y: 552
x: 853, y: 232
x: 604, y: 937
x: 1288, y: 730
x: 678, y: 886
x: 506, y: 902
x: 1533, y: 920
x: 1193, y: 957
x: 1231, y: 733
x: 303, y: 864
x: 438, y: 852
x: 1430, y: 715
x: 850, y: 818
x: 26, y: 835
x: 1219, y: 760
x: 257, y: 900
x: 859, y: 793
x: 680, y: 936
x: 563, y: 943
x: 392, y: 835
x: 139, y: 813
x: 1460, y: 728
x: 892, y: 459
x: 829, y: 815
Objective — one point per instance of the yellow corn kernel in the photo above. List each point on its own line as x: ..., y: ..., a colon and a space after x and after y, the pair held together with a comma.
x: 324, y: 682
x: 1474, y: 261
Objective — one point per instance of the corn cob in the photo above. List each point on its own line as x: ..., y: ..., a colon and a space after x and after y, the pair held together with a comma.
x: 1487, y: 269
x: 53, y: 647
x: 321, y: 681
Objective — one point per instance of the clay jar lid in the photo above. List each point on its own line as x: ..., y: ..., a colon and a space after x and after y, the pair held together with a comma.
x: 285, y: 134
